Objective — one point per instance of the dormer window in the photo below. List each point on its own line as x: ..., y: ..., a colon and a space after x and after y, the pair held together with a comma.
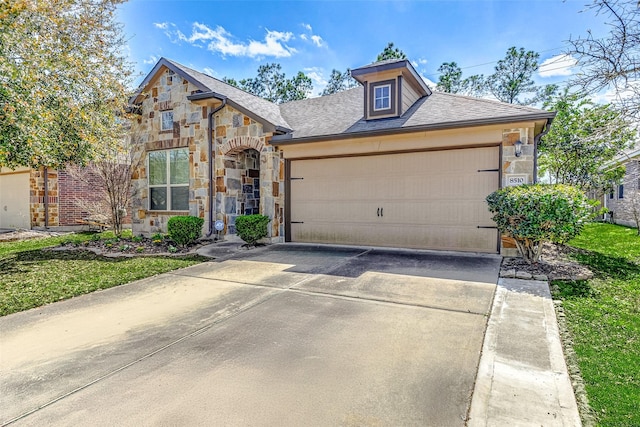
x: 382, y: 97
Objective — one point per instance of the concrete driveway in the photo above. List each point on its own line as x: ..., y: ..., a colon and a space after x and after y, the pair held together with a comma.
x: 285, y: 335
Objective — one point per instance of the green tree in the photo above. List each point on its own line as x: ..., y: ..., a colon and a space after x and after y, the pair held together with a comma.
x: 450, y: 79
x: 583, y: 138
x: 338, y: 82
x: 63, y: 81
x: 272, y: 84
x: 391, y: 52
x: 512, y: 77
x: 612, y: 61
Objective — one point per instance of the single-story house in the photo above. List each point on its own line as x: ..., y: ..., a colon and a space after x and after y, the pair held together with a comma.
x: 389, y: 163
x: 44, y: 198
x: 624, y: 201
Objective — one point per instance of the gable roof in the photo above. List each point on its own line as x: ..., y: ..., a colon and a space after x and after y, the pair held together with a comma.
x: 253, y: 106
x: 341, y: 115
x: 360, y: 73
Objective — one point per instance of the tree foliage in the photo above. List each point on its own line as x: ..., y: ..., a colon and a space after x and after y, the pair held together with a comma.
x: 539, y: 213
x: 391, y: 52
x: 510, y: 82
x: 614, y: 60
x: 272, y: 84
x: 512, y: 76
x: 584, y: 137
x: 63, y: 80
x: 338, y: 82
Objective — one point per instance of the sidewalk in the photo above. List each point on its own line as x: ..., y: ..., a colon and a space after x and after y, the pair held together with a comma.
x: 522, y: 378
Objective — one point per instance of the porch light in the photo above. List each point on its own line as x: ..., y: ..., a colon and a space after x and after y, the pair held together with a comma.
x: 518, y: 147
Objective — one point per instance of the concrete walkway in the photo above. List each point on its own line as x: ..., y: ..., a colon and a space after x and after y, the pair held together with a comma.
x: 523, y: 378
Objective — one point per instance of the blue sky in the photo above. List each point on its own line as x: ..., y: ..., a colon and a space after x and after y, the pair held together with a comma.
x: 232, y: 38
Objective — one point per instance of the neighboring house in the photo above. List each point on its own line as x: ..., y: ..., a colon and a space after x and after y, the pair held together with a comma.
x: 624, y: 201
x: 41, y: 198
x: 389, y: 163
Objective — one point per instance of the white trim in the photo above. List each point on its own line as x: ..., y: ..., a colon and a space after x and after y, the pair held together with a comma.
x: 388, y: 97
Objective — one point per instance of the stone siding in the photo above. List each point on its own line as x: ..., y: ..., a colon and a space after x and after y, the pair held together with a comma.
x: 236, y: 166
x: 37, y: 198
x: 623, y: 208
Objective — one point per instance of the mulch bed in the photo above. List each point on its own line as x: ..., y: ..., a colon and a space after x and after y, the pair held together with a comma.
x: 555, y: 264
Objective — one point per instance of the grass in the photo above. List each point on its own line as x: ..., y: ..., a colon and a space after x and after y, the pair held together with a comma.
x: 603, y: 317
x: 32, y: 276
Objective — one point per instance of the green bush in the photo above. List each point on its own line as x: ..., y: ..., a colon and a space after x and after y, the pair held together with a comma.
x: 539, y: 213
x: 184, y: 230
x: 252, y: 228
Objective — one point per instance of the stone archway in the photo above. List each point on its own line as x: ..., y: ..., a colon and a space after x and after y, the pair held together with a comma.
x: 241, y: 143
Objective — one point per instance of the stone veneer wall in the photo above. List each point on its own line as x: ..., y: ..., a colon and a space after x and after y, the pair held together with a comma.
x: 37, y: 198
x: 233, y: 133
x: 512, y: 165
x: 623, y: 208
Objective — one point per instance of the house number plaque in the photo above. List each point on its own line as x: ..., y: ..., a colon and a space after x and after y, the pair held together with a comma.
x: 513, y: 180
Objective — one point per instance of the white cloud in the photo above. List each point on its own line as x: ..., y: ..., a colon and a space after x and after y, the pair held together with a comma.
x: 559, y: 65
x: 273, y: 45
x: 221, y: 41
x: 161, y: 25
x: 151, y: 60
x: 316, y: 74
x: 209, y: 71
x: 309, y: 36
x: 317, y: 40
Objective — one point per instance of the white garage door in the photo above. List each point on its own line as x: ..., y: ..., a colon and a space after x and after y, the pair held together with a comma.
x: 428, y: 200
x: 14, y: 201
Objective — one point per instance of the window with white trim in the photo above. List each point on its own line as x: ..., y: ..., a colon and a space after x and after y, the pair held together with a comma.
x: 382, y: 97
x: 169, y: 180
x: 166, y: 120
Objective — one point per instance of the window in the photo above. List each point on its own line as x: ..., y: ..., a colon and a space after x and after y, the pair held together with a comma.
x: 382, y: 97
x: 621, y: 191
x: 169, y: 180
x: 166, y: 118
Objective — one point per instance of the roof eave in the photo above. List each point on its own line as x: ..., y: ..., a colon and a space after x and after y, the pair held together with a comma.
x: 290, y: 140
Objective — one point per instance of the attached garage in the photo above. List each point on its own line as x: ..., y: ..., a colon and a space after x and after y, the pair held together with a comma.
x: 14, y: 200
x: 426, y: 200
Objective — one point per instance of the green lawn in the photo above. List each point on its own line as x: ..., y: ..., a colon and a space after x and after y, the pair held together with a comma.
x: 31, y: 277
x: 603, y: 316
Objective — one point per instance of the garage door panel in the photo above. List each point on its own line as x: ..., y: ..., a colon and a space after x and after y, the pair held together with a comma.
x: 14, y: 201
x: 433, y: 200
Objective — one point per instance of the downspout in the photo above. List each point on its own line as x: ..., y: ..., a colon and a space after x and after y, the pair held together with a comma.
x: 212, y: 159
x: 46, y: 197
x: 536, y: 140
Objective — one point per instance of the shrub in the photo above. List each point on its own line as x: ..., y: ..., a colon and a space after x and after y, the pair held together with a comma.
x: 252, y: 228
x: 539, y: 213
x: 184, y: 230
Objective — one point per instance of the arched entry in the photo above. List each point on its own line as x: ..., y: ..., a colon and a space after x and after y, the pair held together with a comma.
x: 239, y: 181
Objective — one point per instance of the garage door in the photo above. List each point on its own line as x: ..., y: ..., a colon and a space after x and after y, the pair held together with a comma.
x: 14, y: 201
x: 427, y: 200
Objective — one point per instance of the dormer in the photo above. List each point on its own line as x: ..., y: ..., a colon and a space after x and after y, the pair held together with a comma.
x: 391, y: 87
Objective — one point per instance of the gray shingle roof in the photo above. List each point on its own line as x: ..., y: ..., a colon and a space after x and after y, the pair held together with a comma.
x: 256, y: 106
x: 343, y: 114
